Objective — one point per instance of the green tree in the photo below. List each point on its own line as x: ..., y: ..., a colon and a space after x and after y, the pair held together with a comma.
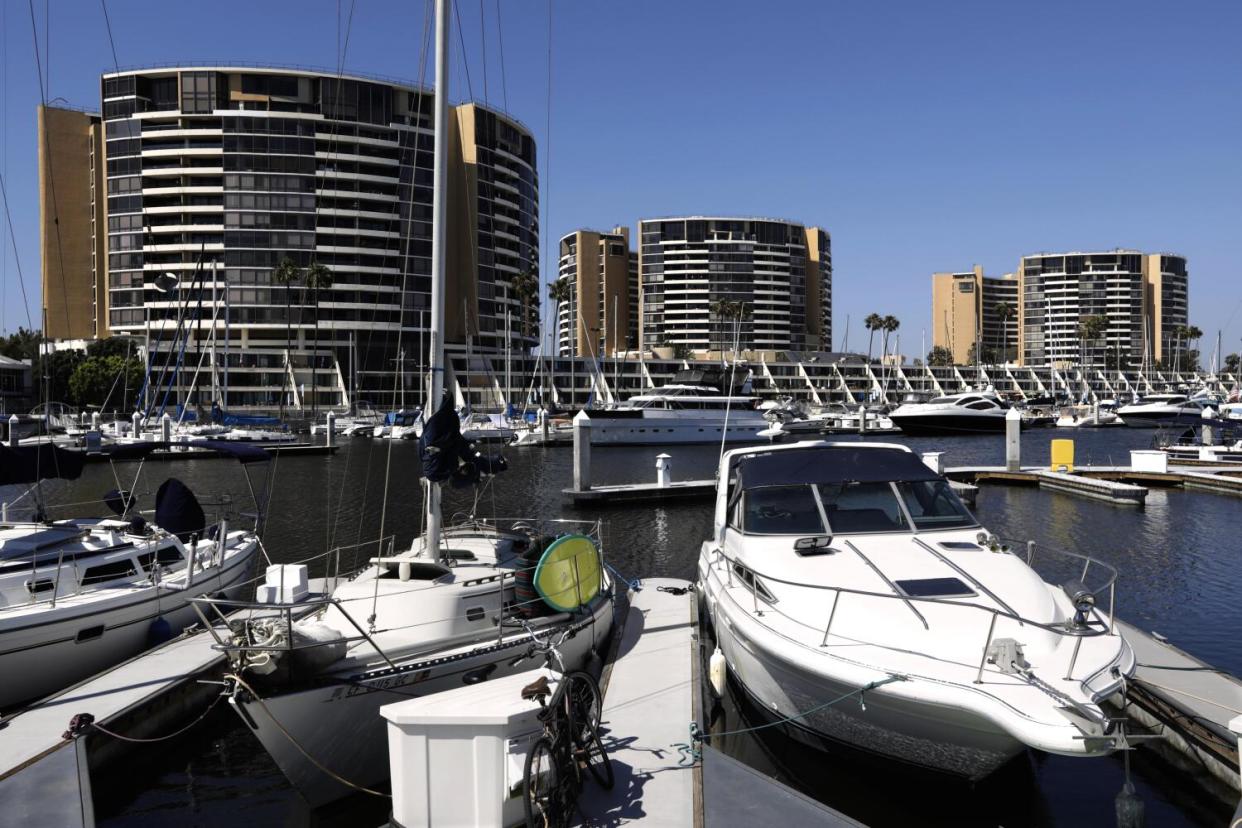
x: 1232, y: 362
x: 55, y: 370
x: 98, y: 381
x: 872, y: 323
x: 940, y: 357
x: 286, y: 273
x: 318, y: 278
x: 559, y: 293
x: 21, y: 345
x: 525, y: 288
x: 1005, y: 312
x: 1091, y: 328
x: 726, y: 311
x: 889, y: 325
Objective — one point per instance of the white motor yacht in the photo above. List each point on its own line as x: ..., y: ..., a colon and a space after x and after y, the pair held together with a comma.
x: 690, y: 409
x: 1087, y: 416
x: 1162, y: 410
x: 79, y: 595
x: 851, y: 571
x: 486, y: 428
x: 971, y: 412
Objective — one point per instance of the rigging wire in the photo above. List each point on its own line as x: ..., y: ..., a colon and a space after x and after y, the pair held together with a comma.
x: 461, y: 37
x: 108, y: 25
x: 483, y: 41
x: 21, y: 280
x: 500, y: 36
x: 546, y: 179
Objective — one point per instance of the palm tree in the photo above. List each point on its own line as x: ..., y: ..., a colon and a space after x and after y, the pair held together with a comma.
x: 317, y: 278
x: 872, y: 323
x: 525, y: 287
x: 889, y: 325
x: 286, y: 273
x: 726, y: 310
x: 1193, y: 333
x: 559, y: 292
x: 1091, y: 328
x: 1006, y: 312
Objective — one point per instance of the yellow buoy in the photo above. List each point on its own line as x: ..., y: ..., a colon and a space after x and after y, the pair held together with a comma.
x: 569, y: 573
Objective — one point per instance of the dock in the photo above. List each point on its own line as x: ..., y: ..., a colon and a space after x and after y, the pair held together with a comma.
x: 630, y: 493
x: 651, y: 687
x: 194, y: 453
x: 1120, y: 485
x: 45, y: 772
x: 1192, y: 703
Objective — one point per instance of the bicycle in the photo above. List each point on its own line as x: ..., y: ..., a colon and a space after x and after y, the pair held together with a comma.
x: 570, y: 741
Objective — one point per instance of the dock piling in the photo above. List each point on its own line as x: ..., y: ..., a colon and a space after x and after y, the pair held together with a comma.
x: 94, y: 421
x: 1013, y: 440
x: 166, y: 428
x: 934, y: 460
x: 582, y: 452
x: 331, y: 428
x: 543, y: 425
x: 137, y: 421
x: 13, y: 431
x: 664, y: 470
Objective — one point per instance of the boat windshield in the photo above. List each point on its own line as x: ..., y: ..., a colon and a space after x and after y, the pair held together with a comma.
x: 852, y: 508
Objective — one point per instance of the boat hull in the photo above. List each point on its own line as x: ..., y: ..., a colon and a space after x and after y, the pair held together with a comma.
x: 931, y: 736
x: 935, y: 425
x: 40, y: 658
x: 655, y: 431
x: 1162, y: 419
x: 339, y: 723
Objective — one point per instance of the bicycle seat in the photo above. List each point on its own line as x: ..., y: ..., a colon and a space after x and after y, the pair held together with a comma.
x: 537, y: 689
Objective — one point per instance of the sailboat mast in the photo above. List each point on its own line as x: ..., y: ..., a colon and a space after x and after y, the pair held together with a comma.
x: 439, y: 211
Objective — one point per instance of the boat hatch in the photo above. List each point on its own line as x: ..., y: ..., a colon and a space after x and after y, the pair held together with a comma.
x: 960, y: 546
x: 935, y: 588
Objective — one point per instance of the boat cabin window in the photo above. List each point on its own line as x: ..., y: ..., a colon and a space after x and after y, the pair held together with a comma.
x: 982, y: 405
x: 163, y: 556
x: 781, y: 510
x: 109, y: 572
x: 861, y: 507
x: 934, y: 505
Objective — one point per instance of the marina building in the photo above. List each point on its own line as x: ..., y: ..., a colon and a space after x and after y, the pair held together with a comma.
x: 596, y: 299
x: 1142, y: 299
x: 699, y: 274
x: 182, y: 198
x: 972, y: 311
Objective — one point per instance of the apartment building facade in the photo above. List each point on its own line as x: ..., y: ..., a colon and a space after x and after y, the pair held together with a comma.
x: 1142, y: 299
x: 207, y: 177
x: 775, y: 275
x: 597, y: 314
x: 971, y: 311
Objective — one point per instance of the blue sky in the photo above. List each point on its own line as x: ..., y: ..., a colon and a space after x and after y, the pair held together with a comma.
x: 923, y: 136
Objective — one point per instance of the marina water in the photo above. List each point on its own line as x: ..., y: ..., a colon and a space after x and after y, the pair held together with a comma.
x: 1181, y: 571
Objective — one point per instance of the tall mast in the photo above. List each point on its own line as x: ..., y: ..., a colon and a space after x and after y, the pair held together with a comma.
x: 439, y: 211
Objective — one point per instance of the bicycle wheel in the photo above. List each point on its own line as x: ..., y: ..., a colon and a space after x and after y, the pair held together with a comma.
x: 541, y: 787
x: 586, y: 704
x: 594, y: 755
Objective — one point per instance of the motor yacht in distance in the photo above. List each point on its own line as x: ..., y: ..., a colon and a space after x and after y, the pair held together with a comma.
x: 690, y: 409
x: 844, y: 569
x: 82, y: 594
x: 972, y: 412
x: 1159, y: 410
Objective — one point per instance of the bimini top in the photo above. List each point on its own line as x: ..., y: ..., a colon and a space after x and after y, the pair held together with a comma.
x: 831, y: 464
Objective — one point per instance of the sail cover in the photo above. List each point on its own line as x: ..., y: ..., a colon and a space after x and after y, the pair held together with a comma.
x: 446, y: 455
x: 177, y: 510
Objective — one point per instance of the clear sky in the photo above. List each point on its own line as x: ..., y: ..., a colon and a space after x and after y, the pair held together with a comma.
x: 923, y: 136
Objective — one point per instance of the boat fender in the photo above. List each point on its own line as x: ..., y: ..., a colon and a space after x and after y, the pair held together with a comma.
x: 403, y: 570
x: 159, y: 631
x: 716, y: 673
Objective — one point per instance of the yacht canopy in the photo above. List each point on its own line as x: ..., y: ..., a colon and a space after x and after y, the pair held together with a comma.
x: 831, y: 464
x: 41, y: 461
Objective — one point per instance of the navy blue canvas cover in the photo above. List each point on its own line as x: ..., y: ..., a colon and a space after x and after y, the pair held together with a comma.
x: 177, y: 510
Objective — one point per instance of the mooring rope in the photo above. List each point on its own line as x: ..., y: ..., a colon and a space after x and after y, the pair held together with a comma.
x: 79, y: 723
x: 691, y: 752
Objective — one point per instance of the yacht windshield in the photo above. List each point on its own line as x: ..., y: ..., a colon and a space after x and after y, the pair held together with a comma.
x: 781, y: 510
x: 934, y: 505
x: 861, y: 507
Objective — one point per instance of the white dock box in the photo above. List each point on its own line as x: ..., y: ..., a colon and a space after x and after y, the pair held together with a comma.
x: 284, y: 583
x: 457, y: 757
x: 1149, y: 460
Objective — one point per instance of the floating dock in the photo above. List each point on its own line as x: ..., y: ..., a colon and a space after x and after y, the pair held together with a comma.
x: 651, y: 687
x: 1120, y: 485
x: 642, y: 493
x: 44, y: 770
x: 195, y: 453
x: 1192, y: 703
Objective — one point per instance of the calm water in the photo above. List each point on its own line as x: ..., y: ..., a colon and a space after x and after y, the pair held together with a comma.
x: 1180, y: 563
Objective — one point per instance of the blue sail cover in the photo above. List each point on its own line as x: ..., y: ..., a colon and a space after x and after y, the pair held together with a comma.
x: 177, y: 510
x: 42, y: 461
x: 446, y: 455
x: 219, y: 415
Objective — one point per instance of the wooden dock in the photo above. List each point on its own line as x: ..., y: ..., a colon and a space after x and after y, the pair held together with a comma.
x: 631, y: 493
x: 1121, y: 485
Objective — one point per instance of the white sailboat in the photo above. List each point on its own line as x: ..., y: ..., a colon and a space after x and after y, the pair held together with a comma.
x: 449, y: 611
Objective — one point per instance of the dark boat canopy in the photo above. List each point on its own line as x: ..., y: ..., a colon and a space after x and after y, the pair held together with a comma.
x: 41, y: 461
x: 831, y: 464
x: 241, y: 452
